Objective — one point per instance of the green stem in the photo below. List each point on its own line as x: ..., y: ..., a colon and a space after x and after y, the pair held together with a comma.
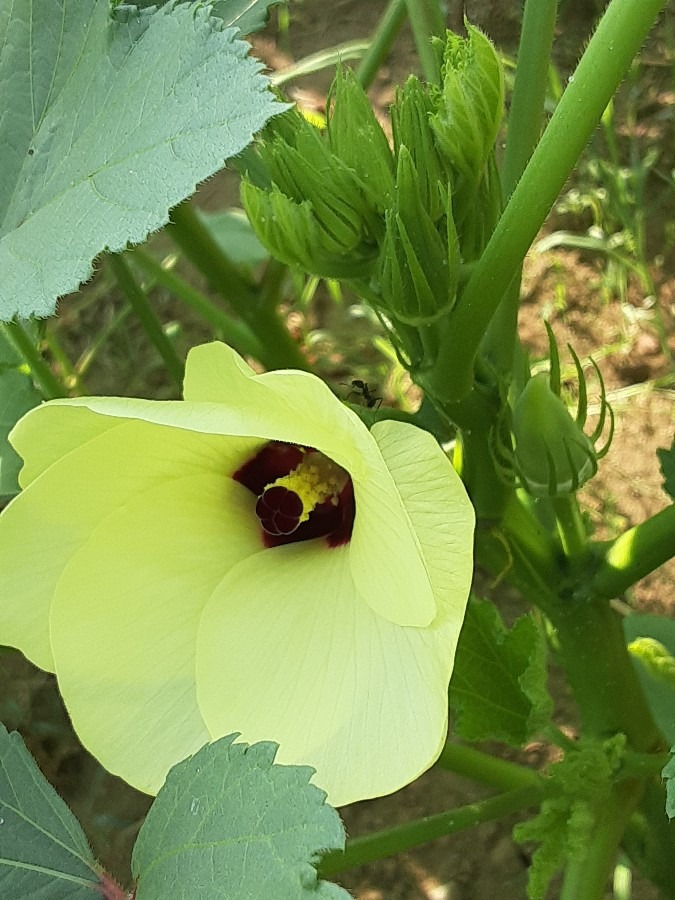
x: 635, y: 554
x: 608, y: 55
x: 403, y: 837
x: 90, y: 352
x: 526, y: 110
x: 385, y: 34
x: 642, y: 765
x: 571, y: 528
x: 195, y: 240
x: 140, y: 304
x: 587, y: 878
x: 71, y: 377
x: 533, y: 564
x: 49, y: 385
x: 488, y: 769
x: 235, y: 333
x: 272, y: 283
x: 426, y: 21
x: 601, y: 673
x: 524, y: 129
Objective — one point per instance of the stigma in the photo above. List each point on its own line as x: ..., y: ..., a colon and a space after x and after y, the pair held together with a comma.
x: 300, y: 494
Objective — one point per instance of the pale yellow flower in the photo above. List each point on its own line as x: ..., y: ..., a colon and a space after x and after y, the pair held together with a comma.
x: 138, y: 564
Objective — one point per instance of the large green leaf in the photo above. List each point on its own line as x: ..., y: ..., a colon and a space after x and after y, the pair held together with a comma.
x: 498, y: 685
x: 107, y: 124
x: 228, y: 823
x: 43, y: 850
x: 653, y: 669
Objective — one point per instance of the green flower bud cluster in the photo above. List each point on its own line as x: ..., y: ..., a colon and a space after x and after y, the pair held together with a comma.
x: 395, y: 222
x: 318, y: 201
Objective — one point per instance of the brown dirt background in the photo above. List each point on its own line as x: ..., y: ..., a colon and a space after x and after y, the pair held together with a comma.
x: 566, y: 285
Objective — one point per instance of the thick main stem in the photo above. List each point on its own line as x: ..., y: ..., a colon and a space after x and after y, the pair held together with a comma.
x: 587, y: 878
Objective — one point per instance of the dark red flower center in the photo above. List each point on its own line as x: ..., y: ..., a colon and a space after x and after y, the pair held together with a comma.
x: 286, y: 515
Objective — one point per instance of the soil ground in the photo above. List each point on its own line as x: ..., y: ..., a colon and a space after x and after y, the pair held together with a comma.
x: 630, y: 336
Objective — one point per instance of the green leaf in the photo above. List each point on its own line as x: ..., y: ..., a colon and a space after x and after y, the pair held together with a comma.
x: 232, y: 231
x: 498, y: 687
x: 247, y: 15
x: 43, y: 850
x: 564, y: 824
x: 667, y: 461
x: 106, y: 125
x: 17, y: 396
x: 230, y: 823
x: 669, y: 774
x: 659, y: 690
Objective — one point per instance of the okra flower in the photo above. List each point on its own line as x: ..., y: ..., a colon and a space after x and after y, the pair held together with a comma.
x: 249, y: 559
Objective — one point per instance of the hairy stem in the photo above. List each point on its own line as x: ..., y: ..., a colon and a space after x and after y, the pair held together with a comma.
x: 403, y: 837
x: 49, y: 385
x: 140, y: 304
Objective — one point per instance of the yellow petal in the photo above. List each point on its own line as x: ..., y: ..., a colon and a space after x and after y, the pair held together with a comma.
x: 49, y: 432
x: 212, y: 372
x: 45, y: 525
x: 125, y: 615
x: 290, y: 406
x: 287, y: 651
x: 438, y: 508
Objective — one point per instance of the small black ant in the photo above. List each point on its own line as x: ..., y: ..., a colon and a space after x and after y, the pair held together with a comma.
x: 361, y: 389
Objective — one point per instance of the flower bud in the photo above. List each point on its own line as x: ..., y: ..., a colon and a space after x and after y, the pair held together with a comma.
x: 292, y: 234
x: 410, y: 124
x: 553, y: 456
x: 317, y: 214
x: 470, y: 102
x: 419, y: 266
x: 357, y: 139
x: 477, y: 210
